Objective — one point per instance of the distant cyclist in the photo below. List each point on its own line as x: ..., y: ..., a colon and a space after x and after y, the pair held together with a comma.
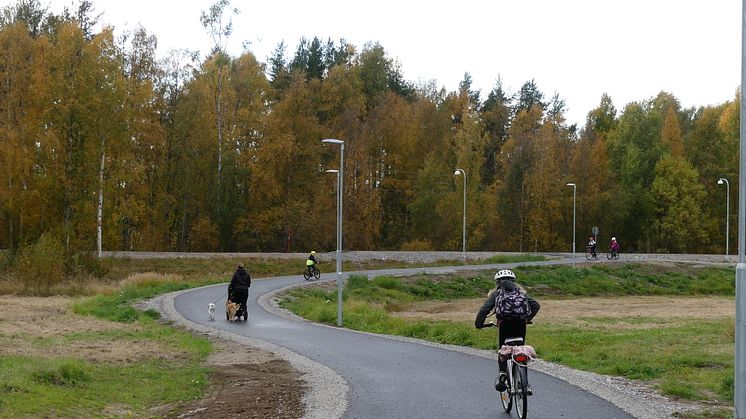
x: 311, y: 262
x: 592, y: 245
x: 513, y: 309
x: 614, y: 246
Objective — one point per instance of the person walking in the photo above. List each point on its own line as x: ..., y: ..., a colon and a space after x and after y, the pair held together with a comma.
x: 238, y: 290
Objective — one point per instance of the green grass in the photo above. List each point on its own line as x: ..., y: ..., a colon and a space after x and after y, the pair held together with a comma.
x: 691, y: 360
x: 76, y: 387
x: 70, y: 387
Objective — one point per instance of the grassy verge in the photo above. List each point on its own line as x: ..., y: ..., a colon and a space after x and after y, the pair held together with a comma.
x: 689, y: 359
x: 157, y: 364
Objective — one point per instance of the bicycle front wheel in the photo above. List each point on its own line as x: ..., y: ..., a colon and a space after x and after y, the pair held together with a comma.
x: 316, y: 273
x: 520, y: 372
x: 588, y: 254
x: 505, y: 397
x: 609, y: 255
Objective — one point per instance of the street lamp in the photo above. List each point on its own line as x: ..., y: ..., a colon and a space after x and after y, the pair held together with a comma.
x: 340, y: 180
x: 574, y: 189
x: 463, y: 236
x: 727, y: 210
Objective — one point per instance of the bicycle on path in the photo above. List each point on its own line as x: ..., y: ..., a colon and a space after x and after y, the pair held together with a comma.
x: 591, y: 253
x: 311, y: 271
x: 610, y: 254
x: 518, y: 389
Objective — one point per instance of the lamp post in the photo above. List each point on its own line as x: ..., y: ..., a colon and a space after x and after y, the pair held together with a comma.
x: 739, y: 385
x: 727, y: 210
x: 340, y: 180
x: 574, y: 188
x: 463, y: 234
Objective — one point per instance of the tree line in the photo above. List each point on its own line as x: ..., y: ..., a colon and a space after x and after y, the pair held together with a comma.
x: 102, y: 140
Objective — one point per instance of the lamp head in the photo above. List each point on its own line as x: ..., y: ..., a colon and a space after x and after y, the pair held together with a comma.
x: 720, y: 181
x: 332, y: 141
x: 570, y: 184
x: 332, y: 171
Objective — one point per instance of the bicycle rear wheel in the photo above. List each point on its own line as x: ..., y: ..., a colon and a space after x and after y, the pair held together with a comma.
x: 505, y: 397
x: 306, y: 275
x: 520, y: 372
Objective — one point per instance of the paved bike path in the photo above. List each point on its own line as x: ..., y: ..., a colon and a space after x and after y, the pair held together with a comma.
x: 390, y: 378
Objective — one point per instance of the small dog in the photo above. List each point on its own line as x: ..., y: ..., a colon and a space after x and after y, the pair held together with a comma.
x: 230, y: 310
x: 211, y: 311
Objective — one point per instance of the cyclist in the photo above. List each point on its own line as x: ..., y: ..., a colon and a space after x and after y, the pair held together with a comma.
x: 311, y: 262
x: 614, y: 246
x: 592, y: 245
x: 511, y: 325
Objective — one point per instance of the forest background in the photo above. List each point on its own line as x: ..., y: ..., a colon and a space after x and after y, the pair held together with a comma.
x: 224, y: 153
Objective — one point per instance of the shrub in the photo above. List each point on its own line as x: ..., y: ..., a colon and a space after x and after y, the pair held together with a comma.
x: 41, y: 265
x: 417, y: 246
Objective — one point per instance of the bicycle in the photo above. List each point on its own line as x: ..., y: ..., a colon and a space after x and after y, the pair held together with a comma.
x: 590, y: 254
x: 518, y: 388
x: 612, y: 255
x: 311, y: 271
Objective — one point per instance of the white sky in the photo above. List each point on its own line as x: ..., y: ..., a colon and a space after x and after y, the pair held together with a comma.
x: 630, y: 49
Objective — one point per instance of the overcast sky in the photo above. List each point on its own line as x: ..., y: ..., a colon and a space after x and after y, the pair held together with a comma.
x: 630, y: 49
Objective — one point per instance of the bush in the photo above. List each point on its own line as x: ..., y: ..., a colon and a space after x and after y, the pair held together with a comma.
x: 417, y: 246
x: 41, y: 265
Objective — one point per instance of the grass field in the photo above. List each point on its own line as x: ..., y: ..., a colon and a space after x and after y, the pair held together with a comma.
x: 684, y: 356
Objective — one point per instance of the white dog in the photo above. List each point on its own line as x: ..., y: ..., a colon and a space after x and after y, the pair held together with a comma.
x: 211, y: 311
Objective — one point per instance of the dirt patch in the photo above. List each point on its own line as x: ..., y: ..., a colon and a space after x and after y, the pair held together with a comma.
x: 245, y: 382
x: 576, y: 310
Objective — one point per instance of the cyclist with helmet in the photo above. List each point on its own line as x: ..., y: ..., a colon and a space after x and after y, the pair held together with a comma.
x: 614, y: 246
x: 311, y: 262
x: 592, y: 245
x: 509, y: 328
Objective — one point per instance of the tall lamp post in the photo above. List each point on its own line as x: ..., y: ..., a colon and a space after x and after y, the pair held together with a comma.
x: 340, y: 180
x: 739, y: 385
x: 727, y: 210
x: 463, y: 234
x: 574, y: 189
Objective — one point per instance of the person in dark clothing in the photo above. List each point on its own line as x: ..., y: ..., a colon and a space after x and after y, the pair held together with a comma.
x: 238, y: 290
x: 509, y: 328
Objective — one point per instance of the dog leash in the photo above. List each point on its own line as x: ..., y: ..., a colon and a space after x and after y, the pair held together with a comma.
x: 224, y: 295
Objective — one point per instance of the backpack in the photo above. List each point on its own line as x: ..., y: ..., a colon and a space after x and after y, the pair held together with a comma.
x: 511, y: 304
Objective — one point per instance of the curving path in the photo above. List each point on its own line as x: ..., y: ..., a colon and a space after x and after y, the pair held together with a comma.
x: 389, y: 377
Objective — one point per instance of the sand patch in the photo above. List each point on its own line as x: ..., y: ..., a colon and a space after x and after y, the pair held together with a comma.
x: 652, y: 308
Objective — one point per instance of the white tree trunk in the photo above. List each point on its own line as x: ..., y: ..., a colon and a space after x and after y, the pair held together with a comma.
x: 100, y: 211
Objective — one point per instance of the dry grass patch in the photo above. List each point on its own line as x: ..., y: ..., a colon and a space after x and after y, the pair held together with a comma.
x: 648, y: 309
x: 37, y: 327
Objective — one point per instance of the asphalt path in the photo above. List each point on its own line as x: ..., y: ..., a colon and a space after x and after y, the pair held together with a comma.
x: 395, y: 378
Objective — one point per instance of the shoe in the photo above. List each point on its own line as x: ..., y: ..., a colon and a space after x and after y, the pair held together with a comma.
x: 529, y: 390
x: 500, y: 383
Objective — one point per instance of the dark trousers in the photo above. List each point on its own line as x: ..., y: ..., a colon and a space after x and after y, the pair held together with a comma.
x: 510, y: 329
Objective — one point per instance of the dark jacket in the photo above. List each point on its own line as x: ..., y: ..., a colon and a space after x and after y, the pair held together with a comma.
x: 489, y: 305
x: 240, y: 281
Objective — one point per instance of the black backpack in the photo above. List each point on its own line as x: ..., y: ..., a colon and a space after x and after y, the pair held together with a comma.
x: 511, y: 303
